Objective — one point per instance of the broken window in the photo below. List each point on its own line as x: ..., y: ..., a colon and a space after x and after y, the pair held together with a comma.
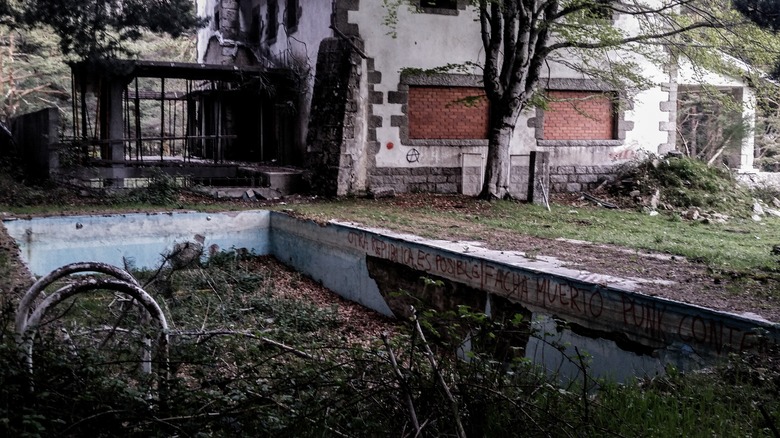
x: 255, y: 26
x: 291, y: 16
x: 439, y: 4
x: 273, y: 19
x: 580, y: 115
x: 215, y: 22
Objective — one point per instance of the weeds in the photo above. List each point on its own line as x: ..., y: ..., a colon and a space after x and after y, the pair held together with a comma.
x: 161, y: 190
x: 684, y: 183
x: 230, y: 382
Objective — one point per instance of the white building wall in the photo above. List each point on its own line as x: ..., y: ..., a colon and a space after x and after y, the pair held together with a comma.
x: 205, y: 10
x: 427, y: 41
x: 302, y: 46
x: 457, y: 41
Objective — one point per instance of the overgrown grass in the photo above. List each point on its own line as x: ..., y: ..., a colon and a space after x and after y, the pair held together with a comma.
x: 723, y: 401
x: 231, y: 383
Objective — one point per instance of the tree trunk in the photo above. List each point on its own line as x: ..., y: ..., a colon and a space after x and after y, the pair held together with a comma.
x: 496, y: 183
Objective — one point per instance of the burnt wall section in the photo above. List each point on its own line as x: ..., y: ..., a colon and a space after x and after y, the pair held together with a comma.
x: 35, y: 136
x: 335, y: 120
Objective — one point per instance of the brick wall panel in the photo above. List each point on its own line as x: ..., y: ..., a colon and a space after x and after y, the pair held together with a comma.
x: 439, y: 113
x: 579, y: 115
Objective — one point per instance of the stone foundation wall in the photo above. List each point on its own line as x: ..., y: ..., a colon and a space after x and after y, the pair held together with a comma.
x: 417, y: 179
x: 578, y: 178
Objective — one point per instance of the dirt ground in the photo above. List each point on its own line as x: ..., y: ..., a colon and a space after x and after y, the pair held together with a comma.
x: 692, y: 283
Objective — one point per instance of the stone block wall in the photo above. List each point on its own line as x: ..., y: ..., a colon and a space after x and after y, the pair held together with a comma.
x: 228, y: 19
x: 518, y: 179
x: 334, y: 108
x: 578, y: 178
x: 417, y: 179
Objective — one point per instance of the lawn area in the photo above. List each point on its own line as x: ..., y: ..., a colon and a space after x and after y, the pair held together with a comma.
x: 739, y: 246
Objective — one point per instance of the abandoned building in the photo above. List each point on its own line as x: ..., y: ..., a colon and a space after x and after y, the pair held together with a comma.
x: 131, y: 120
x: 324, y: 91
x: 368, y: 119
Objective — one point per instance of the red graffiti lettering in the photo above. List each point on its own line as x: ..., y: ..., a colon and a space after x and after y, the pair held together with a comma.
x: 596, y: 304
x: 542, y: 285
x: 357, y: 240
x: 488, y: 271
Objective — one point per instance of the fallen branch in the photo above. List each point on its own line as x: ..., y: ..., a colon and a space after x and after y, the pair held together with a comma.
x: 277, y: 344
x: 598, y: 201
x: 545, y: 194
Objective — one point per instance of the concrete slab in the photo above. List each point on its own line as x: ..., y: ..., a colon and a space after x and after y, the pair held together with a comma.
x: 287, y: 182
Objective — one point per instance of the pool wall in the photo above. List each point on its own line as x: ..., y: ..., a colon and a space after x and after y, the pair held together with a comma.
x: 624, y: 332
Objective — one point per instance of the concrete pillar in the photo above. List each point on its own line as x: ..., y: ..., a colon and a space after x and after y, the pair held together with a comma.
x: 116, y: 123
x: 112, y: 129
x: 539, y: 177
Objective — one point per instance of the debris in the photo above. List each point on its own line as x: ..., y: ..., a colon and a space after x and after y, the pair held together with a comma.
x: 249, y: 195
x: 692, y: 214
x: 654, y: 199
x: 598, y: 201
x: 186, y: 255
x: 718, y: 218
x: 757, y: 209
x: 776, y: 202
x: 653, y: 213
x: 772, y: 212
x: 545, y: 194
x: 382, y: 192
x: 635, y: 193
x: 756, y: 218
x: 267, y: 193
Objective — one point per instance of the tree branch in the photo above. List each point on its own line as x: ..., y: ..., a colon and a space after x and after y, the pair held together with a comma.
x: 404, y: 385
x: 432, y: 360
x: 634, y: 39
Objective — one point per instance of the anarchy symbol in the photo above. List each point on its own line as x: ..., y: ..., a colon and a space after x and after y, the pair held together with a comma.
x: 413, y: 156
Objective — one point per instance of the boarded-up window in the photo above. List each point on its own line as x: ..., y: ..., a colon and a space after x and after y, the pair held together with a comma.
x: 579, y: 115
x: 453, y: 113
